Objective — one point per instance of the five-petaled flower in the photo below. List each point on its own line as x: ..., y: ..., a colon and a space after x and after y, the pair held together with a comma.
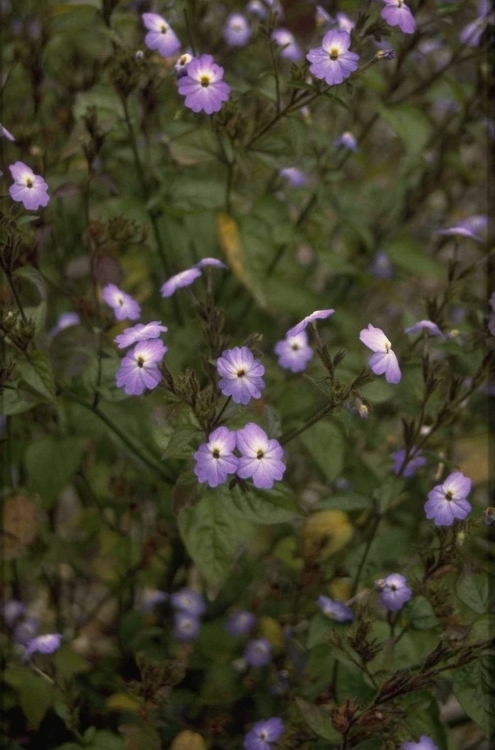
x: 425, y: 743
x: 240, y: 623
x: 215, y: 459
x: 203, y: 87
x: 261, y: 458
x: 236, y: 31
x: 188, y: 601
x: 335, y: 609
x: 140, y: 332
x: 258, y: 653
x: 28, y: 188
x: 332, y: 61
x: 290, y: 48
x: 186, y: 627
x: 262, y: 733
x: 394, y: 591
x: 139, y: 368
x: 241, y: 375
x: 44, y: 644
x: 383, y: 360
x: 447, y: 502
x: 123, y: 305
x: 294, y: 352
x: 397, y: 13
x: 160, y: 36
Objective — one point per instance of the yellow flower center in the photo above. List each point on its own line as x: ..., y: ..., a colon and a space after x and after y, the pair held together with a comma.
x: 215, y: 453
x: 205, y: 81
x: 334, y: 53
x: 140, y: 362
x: 241, y: 373
x: 259, y: 454
x: 163, y: 29
x: 29, y: 182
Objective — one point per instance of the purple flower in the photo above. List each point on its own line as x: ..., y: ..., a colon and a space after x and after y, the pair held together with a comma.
x: 294, y: 352
x: 241, y: 375
x: 140, y: 332
x: 332, y: 62
x: 186, y: 627
x: 447, y: 501
x: 184, y: 278
x: 394, y: 591
x: 123, y: 305
x: 425, y: 743
x: 236, y: 31
x: 322, y: 18
x: 381, y: 266
x: 397, y: 13
x: 291, y: 50
x: 203, y: 87
x: 316, y: 315
x: 240, y: 623
x: 188, y: 601
x: 470, y: 227
x: 427, y: 325
x: 44, y: 644
x: 258, y: 653
x: 139, y: 368
x: 383, y: 360
x: 210, y: 262
x: 261, y: 457
x: 160, y: 36
x: 344, y: 22
x: 180, y: 66
x: 12, y: 610
x: 262, y: 733
x: 4, y: 133
x: 348, y: 140
x: 489, y: 516
x: 66, y: 320
x: 25, y: 630
x: 335, y: 609
x: 150, y: 598
x: 215, y: 459
x: 257, y: 8
x: 294, y: 176
x: 416, y: 461
x: 28, y: 188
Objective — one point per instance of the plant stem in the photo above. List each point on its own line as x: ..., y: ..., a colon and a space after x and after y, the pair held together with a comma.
x: 359, y: 571
x: 16, y: 297
x: 316, y: 418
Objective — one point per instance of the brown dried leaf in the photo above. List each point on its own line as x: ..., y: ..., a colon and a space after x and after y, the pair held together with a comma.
x: 20, y: 525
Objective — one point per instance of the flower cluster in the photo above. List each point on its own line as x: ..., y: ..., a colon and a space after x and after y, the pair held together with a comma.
x: 260, y: 458
x: 189, y: 607
x: 139, y: 369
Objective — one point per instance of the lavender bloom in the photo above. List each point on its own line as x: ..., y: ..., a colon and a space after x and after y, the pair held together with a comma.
x: 150, y: 598
x: 236, y: 31
x: 188, y: 601
x: 294, y: 176
x: 4, y: 133
x: 182, y: 279
x: 215, y: 459
x: 470, y: 227
x: 240, y: 623
x: 425, y: 743
x: 180, y: 66
x: 257, y: 8
x: 123, y: 305
x: 241, y: 375
x: 489, y: 516
x: 397, y: 13
x: 447, y: 502
x: 12, y: 610
x: 381, y: 266
x: 262, y: 733
x: 25, y: 630
x: 323, y: 18
x: 160, y: 36
x: 427, y: 325
x: 316, y: 315
x: 44, y: 644
x: 415, y: 462
x: 383, y: 360
x: 332, y: 62
x: 186, y: 627
x: 210, y: 262
x: 28, y: 188
x: 335, y: 609
x: 291, y: 50
x: 344, y: 22
x: 203, y: 87
x: 140, y: 332
x: 348, y: 141
x: 258, y: 653
x: 472, y: 33
x: 294, y: 352
x: 66, y: 320
x: 394, y: 591
x: 261, y: 457
x: 139, y: 368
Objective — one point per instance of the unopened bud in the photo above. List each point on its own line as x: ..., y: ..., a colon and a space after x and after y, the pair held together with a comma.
x: 460, y: 539
x: 489, y: 516
x: 139, y: 55
x: 385, y: 54
x: 363, y: 411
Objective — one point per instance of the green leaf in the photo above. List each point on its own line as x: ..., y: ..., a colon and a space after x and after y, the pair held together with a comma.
x: 410, y: 124
x: 475, y: 590
x: 37, y: 373
x: 51, y: 463
x: 325, y: 443
x: 194, y: 147
x: 33, y: 276
x: 411, y: 256
x: 352, y: 683
x: 422, y: 615
x: 211, y: 534
x: 422, y: 716
x: 18, y: 401
x: 474, y: 688
x: 36, y: 696
x: 37, y: 316
x: 346, y: 502
x: 262, y: 506
x: 319, y: 721
x: 319, y: 629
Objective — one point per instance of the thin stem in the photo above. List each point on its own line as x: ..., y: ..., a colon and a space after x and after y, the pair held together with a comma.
x: 220, y: 413
x: 316, y: 418
x: 277, y: 79
x: 362, y: 562
x: 16, y: 297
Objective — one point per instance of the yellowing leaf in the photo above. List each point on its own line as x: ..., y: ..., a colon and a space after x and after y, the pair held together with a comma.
x: 20, y: 525
x: 188, y: 740
x: 272, y: 632
x: 229, y: 239
x: 341, y: 588
x: 122, y: 702
x: 325, y: 532
x: 472, y: 454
